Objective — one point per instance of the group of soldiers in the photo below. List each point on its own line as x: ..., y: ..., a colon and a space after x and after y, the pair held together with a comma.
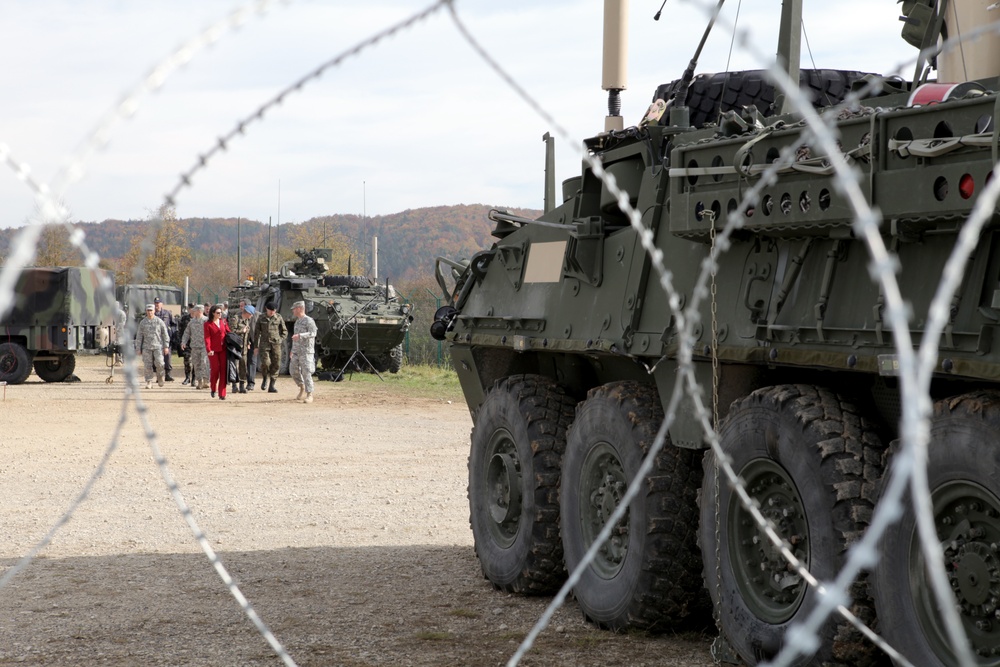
x: 261, y: 336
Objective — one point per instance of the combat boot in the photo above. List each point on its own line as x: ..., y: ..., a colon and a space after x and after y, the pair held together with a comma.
x: 243, y: 389
x: 159, y: 380
x: 187, y: 380
x: 308, y: 398
x: 149, y: 384
x: 234, y: 388
x: 272, y: 389
x: 302, y: 393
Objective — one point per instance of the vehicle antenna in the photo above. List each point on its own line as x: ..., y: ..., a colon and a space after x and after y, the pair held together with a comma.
x: 682, y: 92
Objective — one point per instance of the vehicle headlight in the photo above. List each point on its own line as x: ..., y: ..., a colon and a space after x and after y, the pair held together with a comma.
x: 405, y: 309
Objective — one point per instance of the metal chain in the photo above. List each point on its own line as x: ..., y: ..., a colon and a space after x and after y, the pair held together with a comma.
x: 715, y: 425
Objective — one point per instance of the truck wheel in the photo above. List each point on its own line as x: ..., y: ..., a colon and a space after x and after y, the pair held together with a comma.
x: 710, y: 94
x: 518, y: 438
x: 15, y: 366
x: 56, y: 370
x: 346, y: 281
x: 963, y: 457
x: 813, y: 464
x: 396, y: 359
x: 648, y: 573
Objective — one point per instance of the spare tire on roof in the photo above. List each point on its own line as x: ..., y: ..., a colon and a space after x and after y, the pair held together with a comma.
x: 711, y: 94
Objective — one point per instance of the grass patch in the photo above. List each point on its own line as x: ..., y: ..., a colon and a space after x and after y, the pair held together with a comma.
x: 592, y: 640
x: 463, y: 613
x: 433, y: 636
x: 419, y: 380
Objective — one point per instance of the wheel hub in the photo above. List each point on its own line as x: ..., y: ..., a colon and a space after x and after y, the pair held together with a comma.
x: 967, y: 517
x: 503, y: 487
x: 8, y: 363
x: 603, y: 484
x: 770, y: 586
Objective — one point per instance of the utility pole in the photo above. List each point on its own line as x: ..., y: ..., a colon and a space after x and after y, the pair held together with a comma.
x: 239, y: 255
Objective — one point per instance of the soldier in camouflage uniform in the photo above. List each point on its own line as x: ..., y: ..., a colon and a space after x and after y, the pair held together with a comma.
x: 185, y: 354
x: 244, y: 330
x: 303, y: 358
x: 194, y: 339
x: 153, y: 342
x: 267, y: 337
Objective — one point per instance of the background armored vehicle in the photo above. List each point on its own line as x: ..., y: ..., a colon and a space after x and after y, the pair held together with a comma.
x: 57, y: 312
x: 134, y: 298
x: 352, y: 313
x: 567, y: 353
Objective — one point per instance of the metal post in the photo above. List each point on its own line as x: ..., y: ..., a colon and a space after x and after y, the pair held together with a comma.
x: 239, y: 255
x: 268, y: 246
x: 790, y: 42
x: 550, y: 171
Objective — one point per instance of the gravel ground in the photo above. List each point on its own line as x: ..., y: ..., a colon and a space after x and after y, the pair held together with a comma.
x: 344, y: 522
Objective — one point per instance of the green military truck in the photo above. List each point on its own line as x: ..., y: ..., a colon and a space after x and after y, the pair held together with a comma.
x: 57, y: 312
x: 134, y: 298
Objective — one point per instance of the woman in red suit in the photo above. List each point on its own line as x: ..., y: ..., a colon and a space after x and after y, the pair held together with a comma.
x: 215, y: 342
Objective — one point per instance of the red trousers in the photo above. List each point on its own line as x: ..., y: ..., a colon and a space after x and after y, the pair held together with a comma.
x: 217, y: 363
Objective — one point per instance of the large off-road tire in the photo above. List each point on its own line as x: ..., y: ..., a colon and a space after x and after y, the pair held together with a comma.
x: 518, y: 438
x: 648, y: 574
x: 15, y: 364
x: 391, y: 361
x: 396, y: 359
x: 711, y: 94
x: 814, y: 466
x: 346, y: 281
x: 962, y: 463
x: 56, y: 370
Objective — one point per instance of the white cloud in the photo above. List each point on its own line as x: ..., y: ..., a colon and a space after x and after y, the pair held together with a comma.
x: 419, y: 118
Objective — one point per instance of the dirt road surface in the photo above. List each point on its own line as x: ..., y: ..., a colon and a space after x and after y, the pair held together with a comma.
x: 344, y: 522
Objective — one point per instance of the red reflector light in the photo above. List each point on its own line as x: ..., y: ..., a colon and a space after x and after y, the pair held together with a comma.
x: 966, y: 186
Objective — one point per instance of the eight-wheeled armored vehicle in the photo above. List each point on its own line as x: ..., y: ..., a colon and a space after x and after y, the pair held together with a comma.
x: 567, y: 353
x: 58, y: 311
x: 354, y: 316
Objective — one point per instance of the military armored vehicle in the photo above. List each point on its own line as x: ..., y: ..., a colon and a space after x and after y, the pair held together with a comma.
x: 57, y: 312
x: 354, y: 316
x: 566, y: 350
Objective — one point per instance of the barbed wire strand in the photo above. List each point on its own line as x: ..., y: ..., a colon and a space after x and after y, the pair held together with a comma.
x: 685, y: 363
x: 23, y: 253
x: 915, y: 399
x: 98, y: 138
x: 882, y: 266
x: 695, y: 389
x: 240, y: 128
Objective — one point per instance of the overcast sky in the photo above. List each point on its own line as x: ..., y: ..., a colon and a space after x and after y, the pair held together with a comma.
x: 418, y: 120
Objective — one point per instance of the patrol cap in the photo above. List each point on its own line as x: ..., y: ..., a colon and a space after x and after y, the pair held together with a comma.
x: 150, y: 306
x: 250, y: 309
x: 197, y: 306
x: 157, y: 300
x: 299, y: 304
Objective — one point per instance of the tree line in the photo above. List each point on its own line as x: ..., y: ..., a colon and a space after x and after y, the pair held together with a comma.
x: 205, y: 251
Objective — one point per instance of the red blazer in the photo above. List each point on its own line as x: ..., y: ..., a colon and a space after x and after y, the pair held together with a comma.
x: 215, y: 336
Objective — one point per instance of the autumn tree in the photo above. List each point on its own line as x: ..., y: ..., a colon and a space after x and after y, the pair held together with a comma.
x: 311, y: 235
x: 165, y: 250
x: 54, y: 248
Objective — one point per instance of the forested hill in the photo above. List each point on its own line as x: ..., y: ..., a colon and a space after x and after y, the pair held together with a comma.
x: 408, y: 241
